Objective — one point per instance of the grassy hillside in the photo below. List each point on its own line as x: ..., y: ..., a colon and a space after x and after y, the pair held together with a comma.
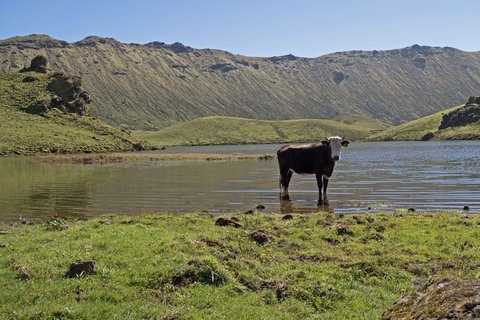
x: 171, y: 266
x: 226, y: 130
x: 155, y: 85
x: 426, y: 128
x: 53, y: 132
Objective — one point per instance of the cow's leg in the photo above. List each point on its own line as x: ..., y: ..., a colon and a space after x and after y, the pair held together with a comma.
x: 320, y: 186
x: 325, y: 185
x: 284, y: 180
x: 289, y: 177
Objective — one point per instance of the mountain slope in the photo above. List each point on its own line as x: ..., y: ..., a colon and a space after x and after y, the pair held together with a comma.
x: 154, y: 85
x: 52, y: 131
x: 227, y: 130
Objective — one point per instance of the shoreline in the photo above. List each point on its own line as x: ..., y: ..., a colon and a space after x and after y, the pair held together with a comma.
x: 147, y: 157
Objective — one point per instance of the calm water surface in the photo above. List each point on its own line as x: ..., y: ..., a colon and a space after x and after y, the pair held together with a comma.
x: 382, y: 176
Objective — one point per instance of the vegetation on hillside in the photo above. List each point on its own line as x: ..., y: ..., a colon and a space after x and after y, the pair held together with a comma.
x: 227, y: 130
x: 259, y: 266
x: 434, y: 127
x: 155, y: 85
x: 30, y: 124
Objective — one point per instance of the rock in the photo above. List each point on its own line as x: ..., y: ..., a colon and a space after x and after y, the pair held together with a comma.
x: 223, y: 67
x: 468, y: 114
x: 227, y: 222
x: 358, y: 220
x: 427, y: 136
x: 81, y: 268
x: 260, y: 237
x: 39, y: 107
x: 38, y: 64
x: 69, y: 94
x: 439, y: 298
x: 339, y: 77
x: 29, y: 79
x: 420, y: 62
x: 343, y: 231
x: 139, y: 147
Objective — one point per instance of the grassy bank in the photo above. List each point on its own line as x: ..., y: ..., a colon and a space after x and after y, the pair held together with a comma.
x: 228, y: 130
x: 170, y: 266
x: 23, y: 133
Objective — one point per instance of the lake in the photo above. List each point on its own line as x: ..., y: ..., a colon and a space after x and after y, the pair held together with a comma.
x: 371, y: 176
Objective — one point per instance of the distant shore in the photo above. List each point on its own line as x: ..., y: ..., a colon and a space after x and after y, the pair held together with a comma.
x: 146, y: 157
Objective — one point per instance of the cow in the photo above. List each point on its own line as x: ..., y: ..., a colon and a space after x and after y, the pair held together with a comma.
x: 315, y: 158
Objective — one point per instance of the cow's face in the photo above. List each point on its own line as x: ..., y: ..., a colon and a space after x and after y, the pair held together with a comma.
x: 335, y: 145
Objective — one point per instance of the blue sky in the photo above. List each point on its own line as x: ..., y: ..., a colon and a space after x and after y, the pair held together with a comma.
x: 256, y: 28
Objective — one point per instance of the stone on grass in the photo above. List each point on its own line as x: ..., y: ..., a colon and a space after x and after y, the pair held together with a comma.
x: 227, y: 223
x: 81, y: 268
x: 260, y: 237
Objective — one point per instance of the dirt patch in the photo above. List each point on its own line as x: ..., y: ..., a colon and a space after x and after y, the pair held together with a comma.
x: 203, y: 271
x: 439, y: 298
x: 23, y: 273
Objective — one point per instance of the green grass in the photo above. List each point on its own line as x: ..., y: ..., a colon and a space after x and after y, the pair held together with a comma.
x: 23, y: 133
x: 227, y: 130
x: 171, y: 266
x: 416, y: 129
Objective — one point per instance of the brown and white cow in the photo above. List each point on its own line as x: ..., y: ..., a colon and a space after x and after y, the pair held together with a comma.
x: 315, y: 158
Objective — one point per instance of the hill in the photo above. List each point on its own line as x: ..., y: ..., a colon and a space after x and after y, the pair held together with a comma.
x: 36, y: 116
x: 228, y: 130
x: 451, y: 124
x: 155, y: 85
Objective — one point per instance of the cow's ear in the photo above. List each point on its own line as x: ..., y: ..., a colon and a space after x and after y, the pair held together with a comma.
x: 345, y: 143
x: 325, y: 142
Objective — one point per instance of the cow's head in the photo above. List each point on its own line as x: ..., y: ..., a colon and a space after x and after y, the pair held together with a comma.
x: 335, y: 144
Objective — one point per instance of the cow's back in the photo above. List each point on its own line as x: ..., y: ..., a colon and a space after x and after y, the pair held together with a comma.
x: 303, y: 158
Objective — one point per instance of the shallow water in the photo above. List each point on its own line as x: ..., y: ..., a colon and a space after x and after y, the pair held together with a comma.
x: 381, y: 175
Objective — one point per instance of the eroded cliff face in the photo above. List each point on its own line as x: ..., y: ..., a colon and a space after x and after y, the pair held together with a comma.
x: 66, y: 91
x: 156, y: 84
x: 468, y: 114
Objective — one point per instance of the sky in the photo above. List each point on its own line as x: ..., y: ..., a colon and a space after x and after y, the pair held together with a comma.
x: 263, y: 28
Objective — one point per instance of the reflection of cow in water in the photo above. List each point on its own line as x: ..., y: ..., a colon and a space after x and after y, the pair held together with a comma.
x: 316, y: 158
